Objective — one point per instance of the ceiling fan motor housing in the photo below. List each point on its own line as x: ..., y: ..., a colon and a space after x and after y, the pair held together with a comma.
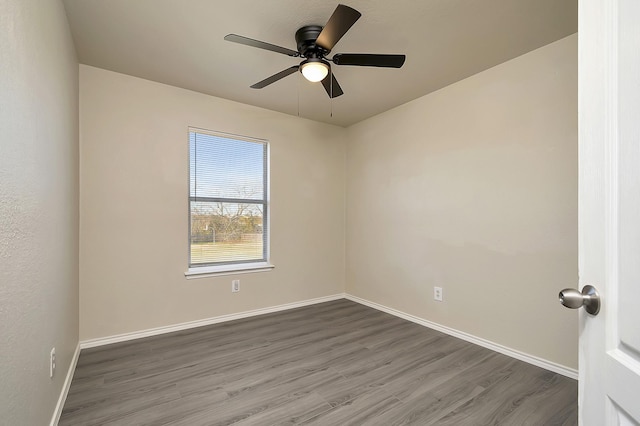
x: 306, y: 41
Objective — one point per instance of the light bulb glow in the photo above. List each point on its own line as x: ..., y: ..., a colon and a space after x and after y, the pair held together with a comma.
x: 314, y: 71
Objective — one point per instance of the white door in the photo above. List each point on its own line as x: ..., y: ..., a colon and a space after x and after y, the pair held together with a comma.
x: 609, y: 210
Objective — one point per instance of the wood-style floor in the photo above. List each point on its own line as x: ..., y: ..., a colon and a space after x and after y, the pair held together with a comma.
x: 336, y: 363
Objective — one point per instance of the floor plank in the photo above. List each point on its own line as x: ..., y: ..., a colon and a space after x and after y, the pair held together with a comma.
x: 335, y: 363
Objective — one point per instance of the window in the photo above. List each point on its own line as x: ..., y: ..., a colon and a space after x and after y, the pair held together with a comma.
x: 228, y: 203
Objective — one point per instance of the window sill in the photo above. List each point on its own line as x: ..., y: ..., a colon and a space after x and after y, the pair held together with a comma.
x: 216, y: 271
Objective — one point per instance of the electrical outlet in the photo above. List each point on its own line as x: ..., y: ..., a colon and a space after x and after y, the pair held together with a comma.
x: 52, y: 362
x: 235, y: 286
x: 437, y: 294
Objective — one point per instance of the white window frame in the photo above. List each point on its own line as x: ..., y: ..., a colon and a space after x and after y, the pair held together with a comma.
x: 232, y: 268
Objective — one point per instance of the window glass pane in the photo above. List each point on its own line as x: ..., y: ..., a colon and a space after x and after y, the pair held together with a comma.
x: 226, y: 168
x: 226, y: 232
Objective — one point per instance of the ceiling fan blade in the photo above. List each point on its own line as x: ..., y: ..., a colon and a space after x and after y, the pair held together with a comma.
x: 269, y: 80
x: 367, y: 60
x: 334, y: 91
x: 260, y: 44
x: 342, y: 19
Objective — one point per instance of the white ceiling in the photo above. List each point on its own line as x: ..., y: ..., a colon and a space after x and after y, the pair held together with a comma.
x: 180, y: 42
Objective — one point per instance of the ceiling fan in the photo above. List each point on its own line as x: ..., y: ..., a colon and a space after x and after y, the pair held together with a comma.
x: 314, y: 44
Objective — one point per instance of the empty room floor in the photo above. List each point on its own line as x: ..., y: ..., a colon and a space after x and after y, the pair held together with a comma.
x: 335, y: 363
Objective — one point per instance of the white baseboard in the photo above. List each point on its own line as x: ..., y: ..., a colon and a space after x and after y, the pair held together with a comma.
x: 531, y: 359
x: 65, y: 387
x: 92, y: 343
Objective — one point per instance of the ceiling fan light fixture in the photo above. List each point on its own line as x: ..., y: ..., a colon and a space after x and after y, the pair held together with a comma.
x: 314, y: 69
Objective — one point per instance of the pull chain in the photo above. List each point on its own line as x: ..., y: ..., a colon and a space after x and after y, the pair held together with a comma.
x: 331, y: 91
x: 298, y: 96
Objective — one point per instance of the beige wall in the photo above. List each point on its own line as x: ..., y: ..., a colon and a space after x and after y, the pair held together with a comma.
x: 474, y: 189
x: 134, y: 211
x: 38, y: 207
